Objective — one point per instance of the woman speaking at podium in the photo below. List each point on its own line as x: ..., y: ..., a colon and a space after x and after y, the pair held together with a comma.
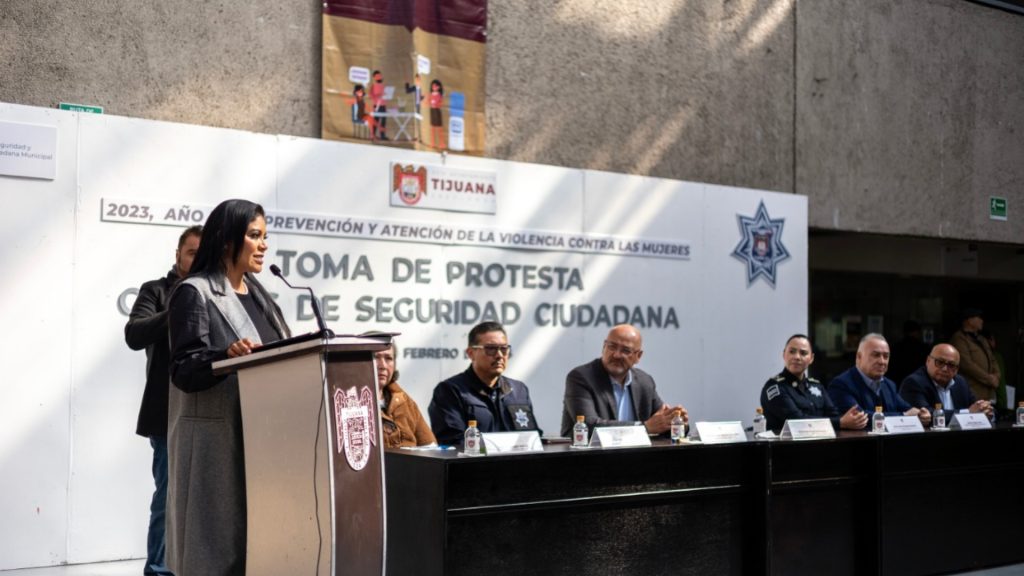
x: 219, y: 311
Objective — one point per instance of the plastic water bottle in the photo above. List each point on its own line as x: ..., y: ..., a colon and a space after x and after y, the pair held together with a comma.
x: 760, y: 424
x: 939, y: 417
x: 678, y: 428
x: 579, y: 432
x: 878, y: 421
x: 1020, y: 413
x: 473, y: 441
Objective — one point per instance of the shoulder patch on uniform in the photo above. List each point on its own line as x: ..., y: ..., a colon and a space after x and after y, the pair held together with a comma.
x: 778, y: 378
x: 814, y: 380
x: 772, y: 392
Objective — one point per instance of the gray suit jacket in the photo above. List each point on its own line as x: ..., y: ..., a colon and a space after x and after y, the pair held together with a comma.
x: 588, y: 391
x: 206, y: 508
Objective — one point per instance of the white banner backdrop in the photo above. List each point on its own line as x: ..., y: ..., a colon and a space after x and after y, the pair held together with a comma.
x: 653, y: 252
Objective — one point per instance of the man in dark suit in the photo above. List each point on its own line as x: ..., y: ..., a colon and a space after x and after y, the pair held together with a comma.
x: 147, y: 330
x: 937, y: 382
x: 610, y: 391
x: 866, y: 386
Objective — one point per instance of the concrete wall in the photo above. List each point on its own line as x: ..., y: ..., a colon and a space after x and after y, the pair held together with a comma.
x: 910, y: 117
x: 892, y: 116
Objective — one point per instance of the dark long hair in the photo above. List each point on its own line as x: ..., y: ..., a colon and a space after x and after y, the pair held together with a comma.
x: 224, y: 234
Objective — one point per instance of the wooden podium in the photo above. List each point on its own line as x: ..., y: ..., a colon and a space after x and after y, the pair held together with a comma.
x: 313, y: 457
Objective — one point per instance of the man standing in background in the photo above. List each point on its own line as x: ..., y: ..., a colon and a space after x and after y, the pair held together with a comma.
x: 147, y: 329
x: 977, y: 363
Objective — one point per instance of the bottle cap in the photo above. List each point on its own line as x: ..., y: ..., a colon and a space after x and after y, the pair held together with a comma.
x: 760, y: 410
x: 580, y: 418
x: 472, y: 423
x: 878, y: 408
x: 938, y: 406
x: 1020, y: 404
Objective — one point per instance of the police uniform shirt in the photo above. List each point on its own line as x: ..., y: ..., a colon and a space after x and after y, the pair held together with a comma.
x: 786, y: 396
x: 504, y: 408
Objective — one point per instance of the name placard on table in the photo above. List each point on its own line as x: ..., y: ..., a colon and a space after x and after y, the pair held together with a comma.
x: 512, y: 442
x: 808, y: 429
x: 620, y: 437
x: 903, y: 424
x: 969, y: 422
x: 721, y: 432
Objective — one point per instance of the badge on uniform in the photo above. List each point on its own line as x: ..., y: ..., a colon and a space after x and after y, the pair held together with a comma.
x: 815, y: 391
x: 522, y: 416
x: 773, y: 392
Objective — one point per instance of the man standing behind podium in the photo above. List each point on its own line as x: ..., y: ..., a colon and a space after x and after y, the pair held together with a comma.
x: 482, y: 392
x: 937, y: 382
x: 866, y: 386
x: 609, y: 391
x: 147, y: 329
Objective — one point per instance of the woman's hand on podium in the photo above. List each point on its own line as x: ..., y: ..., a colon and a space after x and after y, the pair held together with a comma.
x: 241, y: 348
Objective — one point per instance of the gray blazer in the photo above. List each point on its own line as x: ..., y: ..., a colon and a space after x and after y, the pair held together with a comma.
x: 206, y: 519
x: 588, y: 391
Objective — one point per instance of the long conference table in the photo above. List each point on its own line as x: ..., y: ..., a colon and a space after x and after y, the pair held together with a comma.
x: 908, y: 504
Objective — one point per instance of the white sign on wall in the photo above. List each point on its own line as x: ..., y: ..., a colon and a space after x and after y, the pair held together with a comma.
x: 28, y: 150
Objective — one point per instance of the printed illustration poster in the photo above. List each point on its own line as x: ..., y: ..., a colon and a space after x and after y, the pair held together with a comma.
x: 406, y: 73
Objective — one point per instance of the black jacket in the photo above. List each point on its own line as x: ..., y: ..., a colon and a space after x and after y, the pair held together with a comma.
x: 919, y: 391
x: 147, y: 329
x: 787, y: 396
x: 463, y: 397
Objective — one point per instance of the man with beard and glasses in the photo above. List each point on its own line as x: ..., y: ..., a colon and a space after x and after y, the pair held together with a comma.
x: 937, y: 382
x: 611, y: 391
x: 482, y: 392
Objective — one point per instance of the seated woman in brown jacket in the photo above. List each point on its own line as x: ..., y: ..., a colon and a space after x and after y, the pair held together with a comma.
x: 401, y: 418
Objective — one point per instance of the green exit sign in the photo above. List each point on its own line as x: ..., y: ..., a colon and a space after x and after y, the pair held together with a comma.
x: 996, y: 208
x: 81, y: 108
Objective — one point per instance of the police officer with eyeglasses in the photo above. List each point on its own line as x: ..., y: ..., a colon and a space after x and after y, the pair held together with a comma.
x: 482, y: 392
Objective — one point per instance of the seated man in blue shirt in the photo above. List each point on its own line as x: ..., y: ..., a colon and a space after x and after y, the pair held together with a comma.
x: 937, y: 382
x: 610, y: 391
x: 866, y: 386
x: 482, y: 393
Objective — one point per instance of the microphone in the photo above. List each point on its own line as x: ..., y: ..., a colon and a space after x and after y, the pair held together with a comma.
x: 324, y: 330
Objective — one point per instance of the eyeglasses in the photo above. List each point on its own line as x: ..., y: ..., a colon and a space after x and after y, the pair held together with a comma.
x: 945, y: 363
x: 493, y: 350
x: 615, y: 348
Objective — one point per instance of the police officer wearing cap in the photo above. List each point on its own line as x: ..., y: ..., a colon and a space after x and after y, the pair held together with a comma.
x: 792, y: 394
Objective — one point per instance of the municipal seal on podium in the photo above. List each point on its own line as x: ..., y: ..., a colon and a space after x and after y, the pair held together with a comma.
x: 354, y: 418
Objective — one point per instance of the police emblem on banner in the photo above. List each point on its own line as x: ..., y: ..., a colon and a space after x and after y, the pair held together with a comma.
x: 409, y: 183
x: 355, y: 419
x: 760, y: 245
